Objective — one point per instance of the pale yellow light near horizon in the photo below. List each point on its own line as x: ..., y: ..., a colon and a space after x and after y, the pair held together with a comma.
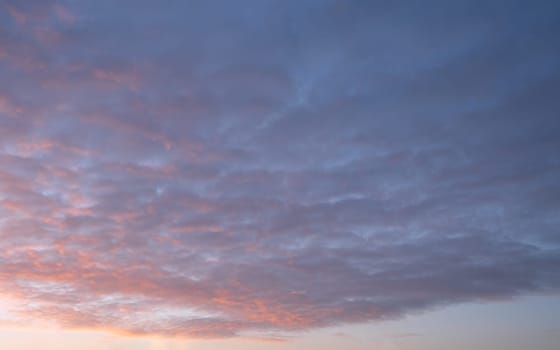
x: 482, y: 326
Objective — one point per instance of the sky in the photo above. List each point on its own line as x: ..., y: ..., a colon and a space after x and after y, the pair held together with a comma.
x: 259, y: 174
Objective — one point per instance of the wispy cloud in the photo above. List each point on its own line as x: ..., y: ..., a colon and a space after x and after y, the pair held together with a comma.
x: 267, y: 166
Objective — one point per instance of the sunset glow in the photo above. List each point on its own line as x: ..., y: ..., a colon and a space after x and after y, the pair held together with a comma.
x: 262, y: 174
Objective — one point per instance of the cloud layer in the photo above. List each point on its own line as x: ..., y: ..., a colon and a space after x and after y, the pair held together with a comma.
x: 216, y: 169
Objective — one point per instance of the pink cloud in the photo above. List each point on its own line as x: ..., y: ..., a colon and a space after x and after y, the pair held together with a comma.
x: 161, y: 173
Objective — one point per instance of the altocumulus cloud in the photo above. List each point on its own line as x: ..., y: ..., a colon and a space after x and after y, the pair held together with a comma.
x: 226, y: 168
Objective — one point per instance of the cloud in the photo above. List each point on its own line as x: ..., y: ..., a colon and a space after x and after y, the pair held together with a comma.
x: 264, y: 168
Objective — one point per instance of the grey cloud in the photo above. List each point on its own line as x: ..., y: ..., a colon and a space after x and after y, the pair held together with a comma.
x: 264, y: 167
